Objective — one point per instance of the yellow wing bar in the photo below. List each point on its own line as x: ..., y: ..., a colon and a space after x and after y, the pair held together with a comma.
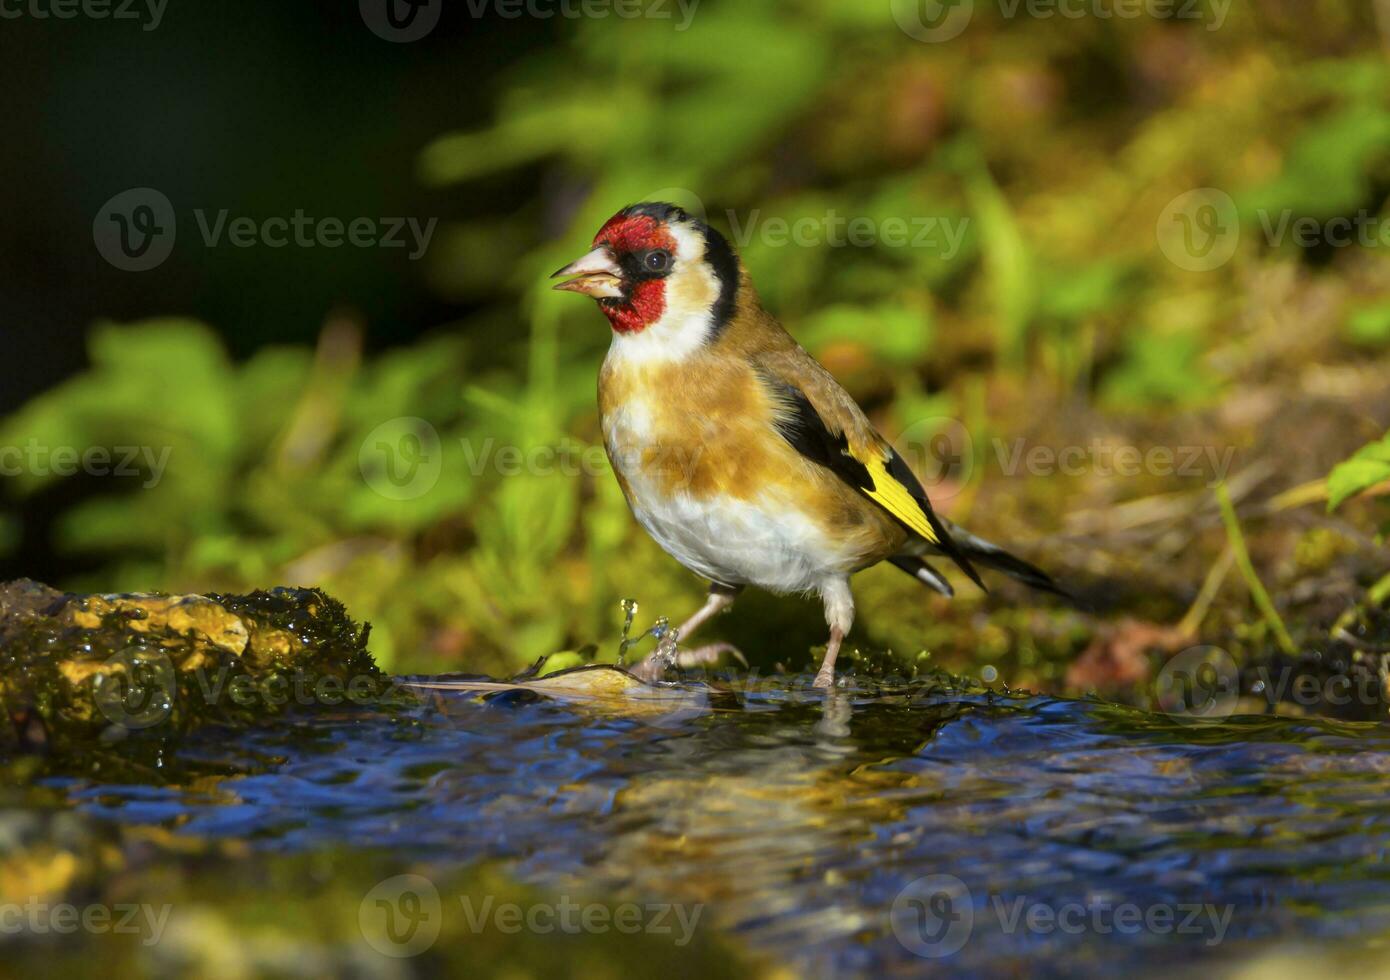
x: 895, y: 498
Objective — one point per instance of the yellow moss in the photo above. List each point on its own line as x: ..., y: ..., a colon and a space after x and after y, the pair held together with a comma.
x: 77, y: 671
x: 275, y: 643
x: 37, y: 874
x: 186, y: 614
x: 1320, y: 547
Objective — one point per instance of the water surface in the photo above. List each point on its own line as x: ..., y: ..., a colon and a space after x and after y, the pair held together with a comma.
x: 879, y: 830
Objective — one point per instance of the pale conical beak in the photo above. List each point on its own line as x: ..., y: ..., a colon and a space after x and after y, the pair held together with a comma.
x: 599, y: 275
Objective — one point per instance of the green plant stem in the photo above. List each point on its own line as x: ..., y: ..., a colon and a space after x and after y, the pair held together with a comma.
x: 1247, y: 569
x: 1191, y: 624
x: 1380, y: 592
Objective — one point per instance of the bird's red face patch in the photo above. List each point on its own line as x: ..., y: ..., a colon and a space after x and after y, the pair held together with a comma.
x: 628, y: 236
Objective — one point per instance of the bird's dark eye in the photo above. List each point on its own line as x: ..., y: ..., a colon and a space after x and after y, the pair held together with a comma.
x: 657, y: 260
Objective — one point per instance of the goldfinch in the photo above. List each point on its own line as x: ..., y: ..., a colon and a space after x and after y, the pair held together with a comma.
x: 737, y: 451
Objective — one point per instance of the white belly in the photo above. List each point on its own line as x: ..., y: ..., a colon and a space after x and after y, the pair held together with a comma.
x: 738, y: 542
x: 764, y: 541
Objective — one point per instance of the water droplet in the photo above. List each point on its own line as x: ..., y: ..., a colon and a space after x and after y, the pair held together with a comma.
x: 629, y: 612
x: 662, y: 631
x: 989, y: 675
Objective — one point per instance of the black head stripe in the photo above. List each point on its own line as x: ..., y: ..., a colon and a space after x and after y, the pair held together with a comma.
x: 724, y: 263
x: 660, y: 211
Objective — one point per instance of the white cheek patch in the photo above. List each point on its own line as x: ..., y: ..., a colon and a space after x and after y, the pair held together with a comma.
x: 691, y: 291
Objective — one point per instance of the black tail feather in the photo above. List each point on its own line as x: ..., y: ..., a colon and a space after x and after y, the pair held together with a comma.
x: 1019, y: 570
x: 924, y: 573
x: 992, y: 556
x: 987, y: 555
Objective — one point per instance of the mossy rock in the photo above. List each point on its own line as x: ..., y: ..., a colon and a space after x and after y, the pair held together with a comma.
x: 83, y: 671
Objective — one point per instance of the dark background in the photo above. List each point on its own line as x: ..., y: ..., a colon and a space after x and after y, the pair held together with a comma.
x: 257, y: 108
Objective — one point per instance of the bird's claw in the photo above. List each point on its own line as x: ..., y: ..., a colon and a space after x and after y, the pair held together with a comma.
x: 653, y: 667
x: 708, y: 655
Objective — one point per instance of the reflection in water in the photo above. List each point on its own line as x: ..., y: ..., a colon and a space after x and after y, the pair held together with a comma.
x: 867, y: 831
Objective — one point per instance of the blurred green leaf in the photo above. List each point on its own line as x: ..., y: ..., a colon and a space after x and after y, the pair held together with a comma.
x: 1328, y: 169
x: 1370, y: 325
x: 892, y: 332
x: 1008, y: 264
x: 1369, y: 467
x: 1159, y: 370
x: 561, y: 661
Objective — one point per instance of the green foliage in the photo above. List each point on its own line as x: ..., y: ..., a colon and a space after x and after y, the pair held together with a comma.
x: 1008, y: 265
x: 271, y: 472
x: 889, y: 332
x: 1369, y: 326
x: 1048, y: 147
x: 1329, y: 166
x: 1159, y: 370
x: 1368, y: 468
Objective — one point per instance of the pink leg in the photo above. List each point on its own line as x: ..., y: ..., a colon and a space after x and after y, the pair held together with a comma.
x: 825, y: 677
x: 839, y: 615
x: 719, y: 599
